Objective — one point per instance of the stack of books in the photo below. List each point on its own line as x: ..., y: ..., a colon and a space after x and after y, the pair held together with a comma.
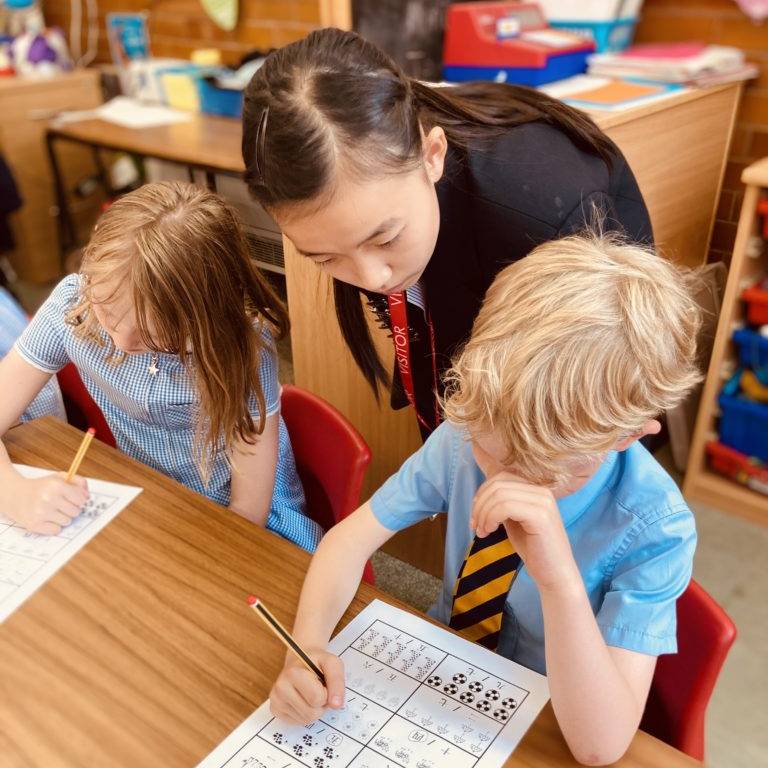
x: 684, y: 63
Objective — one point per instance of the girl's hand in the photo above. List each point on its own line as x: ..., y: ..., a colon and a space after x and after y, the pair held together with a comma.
x: 533, y: 524
x: 299, y: 697
x: 46, y: 504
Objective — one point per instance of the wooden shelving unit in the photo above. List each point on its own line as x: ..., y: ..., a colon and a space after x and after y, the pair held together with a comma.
x: 701, y: 482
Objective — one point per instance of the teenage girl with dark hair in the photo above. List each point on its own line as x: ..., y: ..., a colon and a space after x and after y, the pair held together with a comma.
x: 418, y: 195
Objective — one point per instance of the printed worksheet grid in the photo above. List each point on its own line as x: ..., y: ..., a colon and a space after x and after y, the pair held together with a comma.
x: 22, y: 554
x: 376, y: 719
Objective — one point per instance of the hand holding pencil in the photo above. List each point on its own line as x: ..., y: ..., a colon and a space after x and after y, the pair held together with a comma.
x: 311, y: 681
x: 47, y: 504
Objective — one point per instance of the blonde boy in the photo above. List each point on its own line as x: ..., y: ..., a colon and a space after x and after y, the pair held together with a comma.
x: 576, y: 350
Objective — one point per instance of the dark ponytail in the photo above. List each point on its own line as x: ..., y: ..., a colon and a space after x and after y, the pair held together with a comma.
x: 332, y: 90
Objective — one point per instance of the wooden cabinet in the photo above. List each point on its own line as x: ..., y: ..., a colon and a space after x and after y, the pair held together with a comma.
x: 748, y: 264
x: 26, y: 105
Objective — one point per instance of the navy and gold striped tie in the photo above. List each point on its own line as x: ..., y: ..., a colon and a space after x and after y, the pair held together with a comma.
x: 481, y: 588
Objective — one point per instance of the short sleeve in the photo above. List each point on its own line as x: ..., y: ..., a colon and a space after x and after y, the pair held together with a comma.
x: 268, y: 375
x: 48, y: 403
x: 638, y: 612
x: 42, y: 344
x: 421, y: 487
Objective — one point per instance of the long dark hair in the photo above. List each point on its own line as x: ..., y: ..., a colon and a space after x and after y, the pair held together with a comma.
x: 334, y: 98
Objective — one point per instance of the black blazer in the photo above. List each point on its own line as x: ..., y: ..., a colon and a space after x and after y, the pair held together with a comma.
x: 496, y: 204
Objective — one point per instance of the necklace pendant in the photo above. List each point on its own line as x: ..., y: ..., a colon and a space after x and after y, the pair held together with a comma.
x: 153, y: 369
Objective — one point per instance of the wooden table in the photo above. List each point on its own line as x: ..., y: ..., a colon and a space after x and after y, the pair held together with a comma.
x: 205, y: 143
x: 141, y: 650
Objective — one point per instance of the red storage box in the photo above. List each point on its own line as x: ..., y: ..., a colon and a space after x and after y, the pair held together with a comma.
x: 757, y: 302
x: 738, y: 466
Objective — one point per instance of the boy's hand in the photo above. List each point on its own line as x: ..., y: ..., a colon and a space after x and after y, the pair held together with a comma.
x: 45, y: 504
x: 533, y: 524
x: 299, y: 697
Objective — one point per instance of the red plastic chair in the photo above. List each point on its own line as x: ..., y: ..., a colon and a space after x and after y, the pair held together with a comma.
x: 331, y: 457
x: 82, y: 411
x: 683, y: 682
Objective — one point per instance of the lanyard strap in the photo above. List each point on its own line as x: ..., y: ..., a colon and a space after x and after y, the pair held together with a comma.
x: 399, y: 321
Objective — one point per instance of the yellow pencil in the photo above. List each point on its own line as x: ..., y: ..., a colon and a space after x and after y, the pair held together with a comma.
x: 284, y: 635
x: 80, y: 455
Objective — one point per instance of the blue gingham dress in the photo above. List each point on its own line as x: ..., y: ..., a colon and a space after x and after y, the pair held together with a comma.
x: 152, y: 417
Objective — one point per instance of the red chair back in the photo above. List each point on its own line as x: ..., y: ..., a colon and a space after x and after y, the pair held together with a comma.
x: 82, y: 411
x: 683, y: 682
x: 331, y: 457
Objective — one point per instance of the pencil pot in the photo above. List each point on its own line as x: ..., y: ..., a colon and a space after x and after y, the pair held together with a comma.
x: 215, y: 100
x: 744, y: 425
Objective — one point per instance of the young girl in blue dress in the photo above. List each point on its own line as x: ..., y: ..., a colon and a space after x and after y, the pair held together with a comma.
x: 172, y: 330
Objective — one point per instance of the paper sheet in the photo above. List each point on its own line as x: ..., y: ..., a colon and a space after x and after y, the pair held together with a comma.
x: 607, y: 93
x: 129, y: 113
x: 28, y: 560
x: 417, y: 697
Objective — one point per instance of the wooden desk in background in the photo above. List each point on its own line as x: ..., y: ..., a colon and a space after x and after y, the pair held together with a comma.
x: 141, y: 651
x: 204, y: 143
x: 677, y: 149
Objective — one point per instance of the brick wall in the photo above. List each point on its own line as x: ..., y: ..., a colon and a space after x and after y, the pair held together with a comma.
x: 177, y: 27
x: 721, y: 22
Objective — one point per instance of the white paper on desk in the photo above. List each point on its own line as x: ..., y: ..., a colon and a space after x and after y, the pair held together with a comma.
x: 129, y: 113
x: 28, y: 560
x: 417, y: 697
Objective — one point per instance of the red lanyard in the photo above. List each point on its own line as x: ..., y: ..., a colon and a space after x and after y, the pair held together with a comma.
x: 399, y: 322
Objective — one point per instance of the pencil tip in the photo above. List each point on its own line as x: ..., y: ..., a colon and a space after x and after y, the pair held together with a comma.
x: 252, y: 600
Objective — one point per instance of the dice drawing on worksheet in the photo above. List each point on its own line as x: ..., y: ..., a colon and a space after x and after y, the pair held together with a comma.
x: 475, y: 689
x: 316, y: 745
x: 407, y: 705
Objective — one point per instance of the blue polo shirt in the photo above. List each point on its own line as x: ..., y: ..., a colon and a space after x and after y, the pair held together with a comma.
x: 632, y: 534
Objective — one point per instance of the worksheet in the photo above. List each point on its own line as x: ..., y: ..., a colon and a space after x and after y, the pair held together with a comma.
x: 417, y: 696
x: 28, y: 560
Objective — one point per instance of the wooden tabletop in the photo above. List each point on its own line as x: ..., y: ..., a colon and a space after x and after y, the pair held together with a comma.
x: 141, y: 651
x: 204, y: 141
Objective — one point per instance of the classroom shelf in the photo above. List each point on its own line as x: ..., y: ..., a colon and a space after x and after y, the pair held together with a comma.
x: 747, y: 265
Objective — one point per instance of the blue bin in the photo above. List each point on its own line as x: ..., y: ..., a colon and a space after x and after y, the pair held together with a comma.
x: 214, y: 100
x: 610, y: 36
x: 744, y: 425
x: 753, y: 349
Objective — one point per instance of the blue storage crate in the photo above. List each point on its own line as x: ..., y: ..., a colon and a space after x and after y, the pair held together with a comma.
x: 744, y: 425
x: 753, y: 349
x: 214, y: 100
x: 609, y: 36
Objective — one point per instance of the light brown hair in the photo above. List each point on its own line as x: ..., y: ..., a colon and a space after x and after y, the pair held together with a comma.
x: 181, y: 254
x: 576, y: 346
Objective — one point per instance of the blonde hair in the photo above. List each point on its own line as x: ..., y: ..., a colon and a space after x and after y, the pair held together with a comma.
x: 576, y: 346
x: 181, y: 254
